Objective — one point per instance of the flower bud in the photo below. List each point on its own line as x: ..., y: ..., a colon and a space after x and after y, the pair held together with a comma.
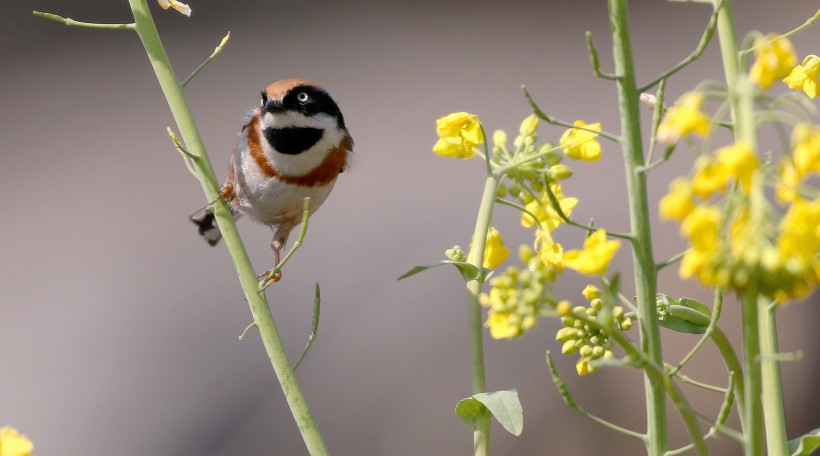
x: 559, y: 172
x: 499, y: 138
x: 529, y: 125
x: 569, y: 347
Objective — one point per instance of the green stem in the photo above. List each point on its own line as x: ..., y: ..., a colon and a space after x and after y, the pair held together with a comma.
x: 753, y: 420
x: 174, y: 95
x: 776, y: 440
x: 481, y: 434
x: 72, y: 23
x: 645, y: 272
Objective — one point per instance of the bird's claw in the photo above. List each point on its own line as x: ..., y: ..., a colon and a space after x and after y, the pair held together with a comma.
x: 269, y: 278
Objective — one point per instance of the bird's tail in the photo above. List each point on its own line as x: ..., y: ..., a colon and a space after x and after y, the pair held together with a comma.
x: 205, y: 220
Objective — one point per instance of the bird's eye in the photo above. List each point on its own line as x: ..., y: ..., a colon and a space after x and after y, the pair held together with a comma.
x: 302, y: 97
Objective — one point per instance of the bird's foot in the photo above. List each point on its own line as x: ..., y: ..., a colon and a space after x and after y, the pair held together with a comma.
x: 268, y: 278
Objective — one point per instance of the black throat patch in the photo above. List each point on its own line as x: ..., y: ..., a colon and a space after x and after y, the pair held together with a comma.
x: 293, y: 140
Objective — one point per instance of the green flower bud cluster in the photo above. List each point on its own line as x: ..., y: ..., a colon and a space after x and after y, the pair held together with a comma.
x: 526, y: 175
x: 590, y: 342
x: 456, y: 254
x: 517, y: 298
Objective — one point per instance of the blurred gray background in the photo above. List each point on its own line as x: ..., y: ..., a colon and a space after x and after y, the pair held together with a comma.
x: 119, y: 325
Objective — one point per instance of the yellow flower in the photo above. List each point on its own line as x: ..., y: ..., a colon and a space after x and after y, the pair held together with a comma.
x: 774, y: 59
x: 595, y: 256
x: 740, y: 162
x: 177, y: 5
x: 581, y: 144
x: 799, y: 241
x: 806, y: 154
x: 789, y: 180
x: 702, y: 228
x: 550, y: 252
x: 711, y: 176
x: 494, y: 251
x: 677, y: 204
x: 804, y: 77
x: 683, y: 118
x: 500, y: 325
x: 459, y: 133
x: 13, y: 443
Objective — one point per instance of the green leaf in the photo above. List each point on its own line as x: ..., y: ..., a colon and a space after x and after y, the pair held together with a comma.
x: 806, y: 444
x: 469, y: 410
x: 678, y: 324
x: 468, y: 271
x: 506, y: 408
x: 696, y: 305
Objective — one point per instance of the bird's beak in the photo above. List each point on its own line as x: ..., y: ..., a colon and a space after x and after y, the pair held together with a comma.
x: 274, y: 106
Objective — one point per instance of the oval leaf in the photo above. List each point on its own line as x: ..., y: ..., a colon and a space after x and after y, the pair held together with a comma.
x: 469, y: 410
x: 506, y: 408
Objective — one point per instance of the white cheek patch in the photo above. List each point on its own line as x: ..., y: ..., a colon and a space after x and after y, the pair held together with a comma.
x: 304, y: 162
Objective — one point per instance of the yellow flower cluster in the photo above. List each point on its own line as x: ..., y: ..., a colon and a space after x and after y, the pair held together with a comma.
x: 517, y: 297
x: 459, y: 134
x: 739, y: 246
x: 12, y: 443
x: 590, y: 342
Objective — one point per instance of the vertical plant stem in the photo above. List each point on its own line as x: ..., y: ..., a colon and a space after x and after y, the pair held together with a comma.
x: 175, y: 97
x: 645, y: 272
x: 481, y: 434
x: 776, y: 440
x: 753, y: 433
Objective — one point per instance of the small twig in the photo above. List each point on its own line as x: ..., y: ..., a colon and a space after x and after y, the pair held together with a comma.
x: 187, y: 157
x: 564, y: 391
x: 657, y: 114
x: 596, y: 64
x: 72, y: 23
x: 809, y: 22
x: 553, y: 121
x: 670, y: 261
x: 296, y: 245
x: 202, y: 65
x: 704, y: 41
x: 557, y: 207
x: 247, y: 328
x: 314, y: 329
x: 706, y: 386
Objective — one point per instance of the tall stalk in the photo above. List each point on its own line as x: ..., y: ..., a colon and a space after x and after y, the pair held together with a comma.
x: 173, y: 91
x: 645, y: 269
x: 481, y: 434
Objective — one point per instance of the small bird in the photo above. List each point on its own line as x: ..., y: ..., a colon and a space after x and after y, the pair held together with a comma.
x: 294, y: 145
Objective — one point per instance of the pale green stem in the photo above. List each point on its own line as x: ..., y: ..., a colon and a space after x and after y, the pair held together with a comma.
x: 174, y: 95
x: 645, y: 272
x: 481, y: 434
x: 72, y: 23
x: 753, y: 422
x: 776, y: 440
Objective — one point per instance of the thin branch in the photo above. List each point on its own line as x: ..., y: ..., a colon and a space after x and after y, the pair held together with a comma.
x: 564, y: 391
x: 704, y: 41
x: 657, y: 114
x: 72, y: 23
x: 202, y: 65
x: 552, y: 120
x: 670, y: 261
x: 187, y: 157
x: 305, y: 217
x: 557, y: 207
x: 809, y: 22
x: 596, y: 64
x: 317, y: 301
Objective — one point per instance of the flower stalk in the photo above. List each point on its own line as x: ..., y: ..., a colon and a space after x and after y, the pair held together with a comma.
x: 645, y: 271
x: 173, y: 91
x: 481, y: 434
